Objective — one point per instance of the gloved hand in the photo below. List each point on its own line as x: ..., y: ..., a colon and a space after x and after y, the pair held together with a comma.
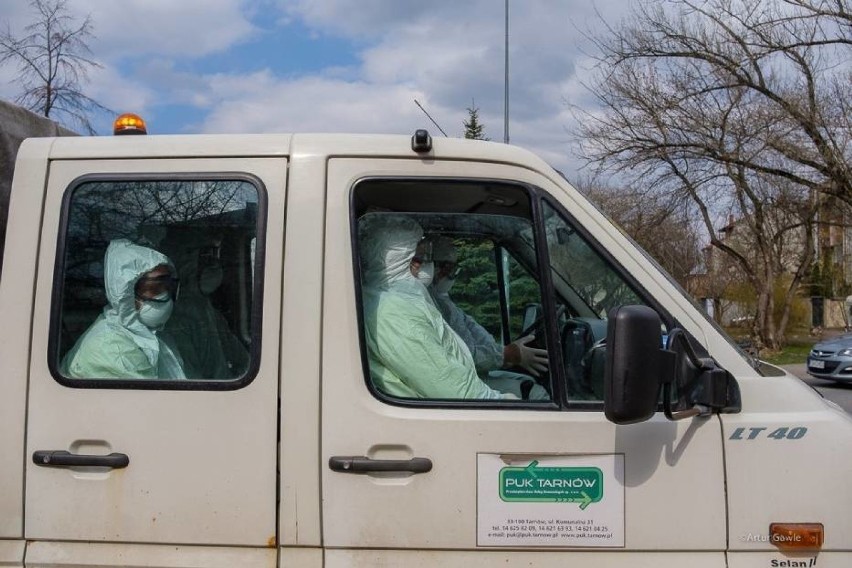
x: 517, y: 354
x: 509, y: 396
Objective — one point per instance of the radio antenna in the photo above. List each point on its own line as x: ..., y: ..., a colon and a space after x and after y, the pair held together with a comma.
x: 430, y: 118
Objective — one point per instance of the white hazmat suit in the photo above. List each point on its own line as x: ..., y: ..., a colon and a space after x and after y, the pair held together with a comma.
x: 488, y: 354
x: 413, y: 352
x: 118, y: 344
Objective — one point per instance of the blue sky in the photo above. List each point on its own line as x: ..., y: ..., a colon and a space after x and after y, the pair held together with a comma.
x: 222, y: 66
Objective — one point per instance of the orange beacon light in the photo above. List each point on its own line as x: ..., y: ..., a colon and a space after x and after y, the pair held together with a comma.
x: 129, y: 123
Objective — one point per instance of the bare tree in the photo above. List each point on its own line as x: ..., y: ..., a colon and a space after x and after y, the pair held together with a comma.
x: 737, y: 106
x: 660, y: 225
x: 53, y: 60
x: 789, y: 55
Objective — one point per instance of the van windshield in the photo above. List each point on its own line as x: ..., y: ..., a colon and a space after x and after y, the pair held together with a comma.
x: 762, y: 368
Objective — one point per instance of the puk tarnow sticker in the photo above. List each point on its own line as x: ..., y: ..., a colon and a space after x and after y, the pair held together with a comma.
x: 550, y: 500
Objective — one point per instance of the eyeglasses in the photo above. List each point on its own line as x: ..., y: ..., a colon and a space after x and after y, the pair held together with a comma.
x: 148, y: 288
x: 423, y: 253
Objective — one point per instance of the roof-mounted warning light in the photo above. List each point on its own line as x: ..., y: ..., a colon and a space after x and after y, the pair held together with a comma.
x: 421, y: 141
x: 129, y: 123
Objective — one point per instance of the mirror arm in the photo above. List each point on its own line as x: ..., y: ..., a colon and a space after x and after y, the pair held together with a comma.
x: 680, y: 415
x: 704, y: 366
x: 679, y: 336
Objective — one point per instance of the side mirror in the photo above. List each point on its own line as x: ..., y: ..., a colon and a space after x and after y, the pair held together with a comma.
x: 638, y: 367
x: 635, y: 364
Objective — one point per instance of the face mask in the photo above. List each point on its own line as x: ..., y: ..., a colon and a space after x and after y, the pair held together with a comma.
x: 443, y: 285
x: 210, y: 279
x: 426, y: 273
x: 155, y: 314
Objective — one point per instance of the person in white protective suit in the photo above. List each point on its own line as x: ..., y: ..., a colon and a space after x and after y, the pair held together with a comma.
x: 200, y: 332
x: 413, y: 352
x: 124, y: 341
x: 488, y: 354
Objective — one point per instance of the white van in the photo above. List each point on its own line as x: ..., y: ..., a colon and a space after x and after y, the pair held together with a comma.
x: 297, y: 424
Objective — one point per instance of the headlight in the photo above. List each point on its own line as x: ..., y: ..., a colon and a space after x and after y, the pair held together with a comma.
x: 845, y: 352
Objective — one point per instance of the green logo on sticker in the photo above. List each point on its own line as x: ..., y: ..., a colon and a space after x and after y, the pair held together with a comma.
x: 583, y: 485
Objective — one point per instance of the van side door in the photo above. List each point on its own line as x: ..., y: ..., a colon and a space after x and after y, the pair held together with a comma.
x: 431, y: 457
x: 152, y: 406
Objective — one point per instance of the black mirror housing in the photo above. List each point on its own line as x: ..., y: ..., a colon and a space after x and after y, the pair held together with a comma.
x: 635, y: 364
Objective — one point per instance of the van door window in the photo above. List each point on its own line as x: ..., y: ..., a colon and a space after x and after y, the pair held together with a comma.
x: 587, y: 287
x: 523, y: 296
x: 157, y: 283
x: 432, y: 321
x: 466, y: 272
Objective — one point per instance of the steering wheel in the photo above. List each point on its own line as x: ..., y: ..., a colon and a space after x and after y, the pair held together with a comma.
x: 537, y: 326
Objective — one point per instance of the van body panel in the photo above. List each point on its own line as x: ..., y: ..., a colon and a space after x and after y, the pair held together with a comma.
x: 800, y: 447
x: 299, y: 507
x: 17, y: 285
x: 107, y: 555
x: 12, y: 553
x: 666, y: 464
x: 203, y: 455
x: 519, y: 559
x: 779, y: 559
x: 293, y: 557
x: 173, y: 147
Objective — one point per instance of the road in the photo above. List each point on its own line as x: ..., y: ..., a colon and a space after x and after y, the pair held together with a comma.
x: 839, y: 393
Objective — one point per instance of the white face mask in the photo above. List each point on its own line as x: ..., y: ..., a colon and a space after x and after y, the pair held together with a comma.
x: 443, y: 285
x: 426, y: 273
x: 155, y: 314
x: 210, y: 279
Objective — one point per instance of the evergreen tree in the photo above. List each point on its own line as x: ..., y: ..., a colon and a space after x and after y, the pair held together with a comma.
x: 473, y: 129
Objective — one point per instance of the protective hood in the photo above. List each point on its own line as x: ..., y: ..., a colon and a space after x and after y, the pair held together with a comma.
x: 124, y: 264
x: 388, y: 243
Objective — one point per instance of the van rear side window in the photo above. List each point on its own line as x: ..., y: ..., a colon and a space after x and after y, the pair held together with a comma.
x: 157, y: 284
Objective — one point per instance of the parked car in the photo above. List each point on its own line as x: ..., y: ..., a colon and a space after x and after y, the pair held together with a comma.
x: 832, y: 359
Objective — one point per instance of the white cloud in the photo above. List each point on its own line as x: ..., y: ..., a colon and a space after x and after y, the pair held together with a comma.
x: 8, y: 89
x: 361, y: 18
x: 453, y: 51
x: 184, y: 28
x: 444, y: 53
x: 118, y: 92
x: 262, y: 103
x: 16, y: 15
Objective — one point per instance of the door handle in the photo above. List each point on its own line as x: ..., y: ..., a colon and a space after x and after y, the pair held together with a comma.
x: 61, y: 458
x: 363, y: 464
